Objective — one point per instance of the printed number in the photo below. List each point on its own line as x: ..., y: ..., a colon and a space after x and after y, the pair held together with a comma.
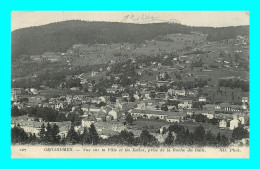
x: 23, y: 149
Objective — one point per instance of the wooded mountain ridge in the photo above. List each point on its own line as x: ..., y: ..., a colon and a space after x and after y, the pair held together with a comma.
x: 60, y: 36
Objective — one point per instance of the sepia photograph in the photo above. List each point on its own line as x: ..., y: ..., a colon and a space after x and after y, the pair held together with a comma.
x: 130, y: 84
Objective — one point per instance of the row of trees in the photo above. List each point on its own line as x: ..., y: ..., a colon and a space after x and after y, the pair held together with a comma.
x: 189, y: 84
x: 198, y: 137
x: 50, y: 135
x: 234, y: 83
x: 176, y: 135
x: 47, y: 114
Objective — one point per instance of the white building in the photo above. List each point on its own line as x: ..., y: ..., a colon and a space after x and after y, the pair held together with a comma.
x: 86, y: 122
x: 234, y: 123
x: 222, y: 124
x: 202, y: 99
x: 113, y: 113
x: 185, y: 104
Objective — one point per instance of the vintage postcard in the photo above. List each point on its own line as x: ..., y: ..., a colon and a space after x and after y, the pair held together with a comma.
x: 130, y: 84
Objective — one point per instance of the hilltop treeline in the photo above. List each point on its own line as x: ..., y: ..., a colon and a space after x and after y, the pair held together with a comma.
x: 59, y: 37
x: 216, y: 34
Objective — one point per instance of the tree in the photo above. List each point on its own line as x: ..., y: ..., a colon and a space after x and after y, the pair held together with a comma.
x: 74, y: 118
x: 164, y: 107
x: 81, y: 112
x: 146, y: 138
x: 18, y: 135
x: 169, y: 139
x: 132, y: 98
x: 213, y: 121
x: 42, y: 133
x: 112, y: 99
x: 199, y: 134
x: 61, y: 117
x: 85, y: 88
x: 218, y: 138
x: 129, y: 119
x: 163, y: 88
x: 55, y: 133
x: 101, y: 104
x: 125, y: 100
x: 210, y: 138
x: 240, y: 133
x: 178, y: 129
x: 32, y: 138
x: 48, y: 133
x: 126, y: 137
x: 94, y: 138
x: 15, y: 111
x: 72, y: 136
x: 200, y: 118
x: 85, y: 137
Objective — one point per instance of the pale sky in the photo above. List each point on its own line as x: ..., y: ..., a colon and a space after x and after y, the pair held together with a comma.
x: 22, y: 19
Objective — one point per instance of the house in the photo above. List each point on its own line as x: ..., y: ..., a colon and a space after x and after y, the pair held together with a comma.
x: 113, y: 113
x: 150, y: 114
x: 106, y: 108
x: 31, y: 126
x: 110, y: 125
x: 115, y: 86
x: 18, y: 105
x: 193, y: 93
x: 87, y: 121
x: 226, y: 106
x: 223, y: 124
x: 202, y: 99
x: 75, y: 88
x: 211, y: 107
x: 63, y: 128
x: 59, y: 106
x: 183, y: 58
x: 79, y: 97
x: 125, y: 95
x: 242, y: 120
x: 111, y: 90
x: 210, y: 115
x: 136, y: 97
x: 244, y: 99
x: 34, y: 91
x: 181, y: 92
x: 207, y: 113
x: 90, y: 108
x: 75, y: 108
x: 185, y: 104
x: 107, y: 133
x: 146, y: 95
x: 236, y: 108
x: 234, y: 123
x: 161, y: 95
x: 15, y: 92
x: 149, y: 105
x: 69, y: 99
x: 175, y: 117
x: 102, y: 99
x: 162, y: 83
x: 34, y: 102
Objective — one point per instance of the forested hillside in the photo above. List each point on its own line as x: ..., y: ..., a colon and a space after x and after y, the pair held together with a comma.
x: 59, y: 37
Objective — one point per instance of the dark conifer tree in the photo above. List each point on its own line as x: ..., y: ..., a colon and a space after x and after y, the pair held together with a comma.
x: 93, y: 134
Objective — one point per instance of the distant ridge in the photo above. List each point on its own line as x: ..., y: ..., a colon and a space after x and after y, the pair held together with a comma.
x: 60, y: 36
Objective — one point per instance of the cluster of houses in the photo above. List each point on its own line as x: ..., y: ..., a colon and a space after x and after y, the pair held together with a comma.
x: 33, y: 125
x: 109, y: 117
